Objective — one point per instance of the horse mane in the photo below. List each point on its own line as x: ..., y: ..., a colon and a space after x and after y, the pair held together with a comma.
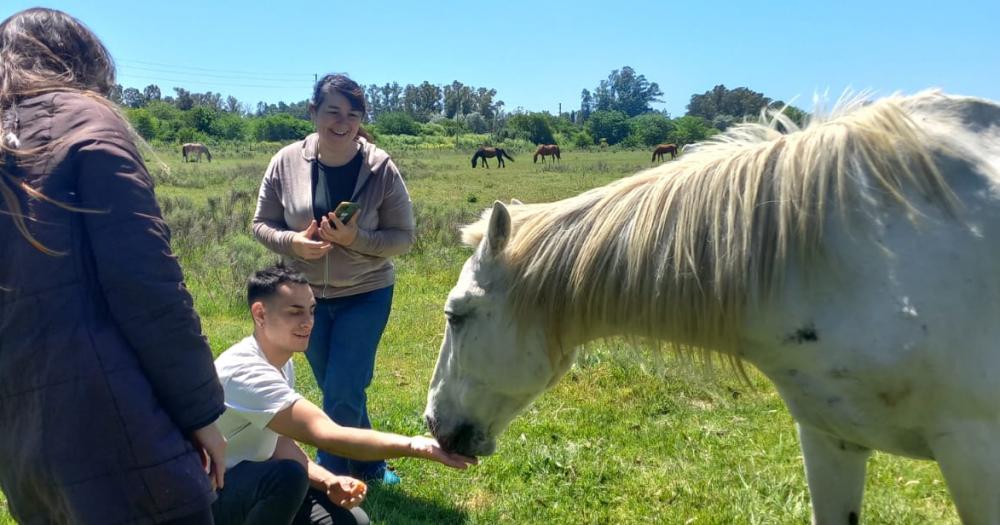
x: 692, y: 243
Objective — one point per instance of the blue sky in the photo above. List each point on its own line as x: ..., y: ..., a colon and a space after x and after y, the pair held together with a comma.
x: 540, y: 54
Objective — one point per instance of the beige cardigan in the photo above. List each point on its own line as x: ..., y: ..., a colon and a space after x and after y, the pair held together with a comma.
x: 385, y: 220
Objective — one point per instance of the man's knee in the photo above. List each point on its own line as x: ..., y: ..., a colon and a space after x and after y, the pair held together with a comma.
x: 289, y: 475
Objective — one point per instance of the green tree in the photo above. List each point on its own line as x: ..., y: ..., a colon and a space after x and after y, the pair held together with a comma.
x: 484, y: 103
x: 397, y: 123
x: 422, y: 102
x: 626, y: 91
x: 610, y: 125
x: 457, y: 97
x: 116, y: 94
x: 689, y: 128
x: 475, y: 122
x: 143, y: 122
x: 230, y: 126
x: 536, y: 127
x: 740, y: 102
x: 281, y: 127
x: 133, y: 98
x: 233, y: 105
x: 151, y: 92
x: 184, y: 101
x: 586, y: 104
x: 201, y: 118
x: 797, y: 116
x: 650, y: 129
x: 583, y: 139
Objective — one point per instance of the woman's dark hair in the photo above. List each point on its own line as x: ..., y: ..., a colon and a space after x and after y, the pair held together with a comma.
x: 43, y: 50
x: 345, y: 86
x: 263, y: 284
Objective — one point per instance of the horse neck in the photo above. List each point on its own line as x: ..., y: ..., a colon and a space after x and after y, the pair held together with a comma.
x: 591, y: 282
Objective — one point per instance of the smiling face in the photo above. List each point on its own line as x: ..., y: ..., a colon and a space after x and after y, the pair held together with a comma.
x: 336, y: 122
x: 492, y: 364
x: 284, y: 320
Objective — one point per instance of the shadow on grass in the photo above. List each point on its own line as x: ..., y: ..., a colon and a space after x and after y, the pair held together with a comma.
x: 393, y: 506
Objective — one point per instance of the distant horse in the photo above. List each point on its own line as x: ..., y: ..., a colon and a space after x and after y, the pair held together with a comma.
x: 664, y: 148
x: 193, y: 150
x: 852, y: 262
x: 483, y: 152
x: 546, y: 150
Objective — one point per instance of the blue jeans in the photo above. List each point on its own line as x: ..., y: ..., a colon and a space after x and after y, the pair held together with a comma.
x: 275, y: 492
x: 342, y: 355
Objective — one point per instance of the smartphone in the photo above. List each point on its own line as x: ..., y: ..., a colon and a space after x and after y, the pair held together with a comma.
x: 345, y: 210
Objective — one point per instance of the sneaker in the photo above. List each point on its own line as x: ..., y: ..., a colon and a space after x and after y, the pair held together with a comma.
x: 385, y: 475
x: 390, y: 478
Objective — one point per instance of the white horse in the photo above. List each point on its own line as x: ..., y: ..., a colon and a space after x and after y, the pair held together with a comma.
x: 194, y: 150
x: 853, y: 262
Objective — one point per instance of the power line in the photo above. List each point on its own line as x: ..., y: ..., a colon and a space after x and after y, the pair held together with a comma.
x: 196, y: 68
x: 200, y: 74
x: 225, y: 84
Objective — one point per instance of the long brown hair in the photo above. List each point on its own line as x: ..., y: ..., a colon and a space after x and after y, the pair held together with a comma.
x: 43, y: 50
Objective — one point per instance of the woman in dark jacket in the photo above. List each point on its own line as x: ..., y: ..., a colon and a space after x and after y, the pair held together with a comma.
x: 108, y: 393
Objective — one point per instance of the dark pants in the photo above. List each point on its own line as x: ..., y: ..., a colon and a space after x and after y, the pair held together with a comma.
x: 203, y: 517
x: 276, y: 492
x: 342, y: 356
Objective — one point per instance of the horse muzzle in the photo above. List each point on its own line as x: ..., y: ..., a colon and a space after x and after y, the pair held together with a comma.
x: 463, y: 438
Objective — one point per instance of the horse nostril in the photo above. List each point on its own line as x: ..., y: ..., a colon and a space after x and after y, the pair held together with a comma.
x: 461, y: 440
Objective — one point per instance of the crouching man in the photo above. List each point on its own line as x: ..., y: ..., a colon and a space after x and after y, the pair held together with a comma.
x: 269, y: 479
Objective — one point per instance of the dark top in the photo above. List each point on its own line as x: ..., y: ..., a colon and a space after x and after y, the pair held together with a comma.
x: 103, y: 366
x: 333, y: 185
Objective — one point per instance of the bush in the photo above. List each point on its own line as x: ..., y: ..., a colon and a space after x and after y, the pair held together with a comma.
x: 650, y: 129
x: 688, y: 129
x: 397, y: 123
x: 583, y: 139
x: 432, y: 129
x: 281, y: 127
x: 143, y: 122
x: 610, y: 125
x: 230, y: 127
x: 475, y: 122
x: 533, y: 126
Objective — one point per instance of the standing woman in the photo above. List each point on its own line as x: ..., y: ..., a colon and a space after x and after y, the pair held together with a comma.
x: 348, y: 265
x: 108, y: 393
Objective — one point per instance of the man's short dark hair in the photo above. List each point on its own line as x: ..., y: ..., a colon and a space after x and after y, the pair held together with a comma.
x: 264, y: 283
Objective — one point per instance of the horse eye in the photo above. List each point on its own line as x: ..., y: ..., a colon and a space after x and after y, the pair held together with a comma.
x: 455, y: 320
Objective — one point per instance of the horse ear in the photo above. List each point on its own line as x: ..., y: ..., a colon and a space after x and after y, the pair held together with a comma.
x: 515, y: 202
x: 498, y: 231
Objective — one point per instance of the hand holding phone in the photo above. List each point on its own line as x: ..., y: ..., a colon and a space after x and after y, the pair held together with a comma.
x: 345, y: 210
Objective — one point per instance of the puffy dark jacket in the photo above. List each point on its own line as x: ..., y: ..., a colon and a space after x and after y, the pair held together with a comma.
x: 103, y: 367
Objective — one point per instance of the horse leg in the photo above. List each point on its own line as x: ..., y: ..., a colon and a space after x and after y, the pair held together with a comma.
x: 969, y: 456
x: 835, y: 471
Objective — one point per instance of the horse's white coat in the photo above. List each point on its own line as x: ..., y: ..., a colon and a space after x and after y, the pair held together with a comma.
x: 890, y: 343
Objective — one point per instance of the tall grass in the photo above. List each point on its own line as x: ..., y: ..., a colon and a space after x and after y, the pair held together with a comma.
x: 624, y: 438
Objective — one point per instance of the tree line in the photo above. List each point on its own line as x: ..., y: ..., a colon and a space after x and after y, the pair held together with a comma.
x: 617, y: 111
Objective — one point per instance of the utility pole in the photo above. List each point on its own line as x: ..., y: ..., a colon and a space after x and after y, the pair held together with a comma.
x: 560, y: 109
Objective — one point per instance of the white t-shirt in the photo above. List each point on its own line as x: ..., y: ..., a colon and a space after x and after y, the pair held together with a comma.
x: 255, y: 391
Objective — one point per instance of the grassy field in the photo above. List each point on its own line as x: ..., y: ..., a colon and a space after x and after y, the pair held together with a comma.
x: 624, y: 438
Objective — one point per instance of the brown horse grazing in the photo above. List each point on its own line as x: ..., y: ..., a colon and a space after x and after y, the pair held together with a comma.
x: 546, y: 150
x: 664, y: 148
x: 485, y: 152
x: 193, y: 151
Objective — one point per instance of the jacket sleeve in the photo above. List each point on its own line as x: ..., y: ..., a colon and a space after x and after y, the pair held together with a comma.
x: 396, y: 227
x: 269, y: 226
x: 141, y: 279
